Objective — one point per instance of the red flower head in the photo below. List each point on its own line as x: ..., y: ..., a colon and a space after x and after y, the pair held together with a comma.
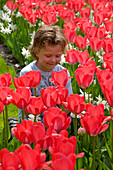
x: 49, y: 96
x: 12, y: 6
x: 70, y: 34
x: 5, y: 80
x: 85, y: 12
x: 95, y: 44
x: 107, y: 45
x: 101, y: 32
x: 60, y: 77
x: 9, y: 160
x: 49, y: 18
x: 56, y: 118
x: 109, y: 26
x: 23, y: 81
x: 81, y: 42
x: 92, y: 32
x: 23, y: 131
x: 74, y: 103
x: 98, y: 17
x: 83, y: 56
x: 67, y: 15
x: 44, y: 138
x: 5, y: 95
x: 85, y: 74
x: 36, y: 106
x: 36, y: 75
x: 71, y: 56
x: 62, y: 94
x: 93, y: 119
x: 21, y: 97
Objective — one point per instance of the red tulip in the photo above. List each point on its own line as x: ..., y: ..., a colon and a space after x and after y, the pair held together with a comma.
x: 49, y: 96
x: 36, y: 75
x: 5, y: 95
x: 36, y: 106
x: 12, y: 6
x: 85, y: 25
x: 60, y: 77
x: 71, y: 56
x: 104, y: 77
x: 5, y: 80
x: 67, y: 15
x: 56, y: 118
x: 101, y: 33
x: 21, y: 97
x: 75, y: 5
x: 83, y: 57
x: 93, y: 119
x: 109, y: 26
x: 70, y: 34
x: 49, y: 18
x: 98, y: 17
x: 85, y: 12
x: 23, y: 131
x: 23, y: 81
x: 62, y: 94
x: 85, y: 74
x: 95, y: 44
x: 74, y: 103
x: 70, y: 25
x: 44, y: 139
x: 9, y: 160
x: 92, y: 32
x: 81, y: 42
x: 107, y: 45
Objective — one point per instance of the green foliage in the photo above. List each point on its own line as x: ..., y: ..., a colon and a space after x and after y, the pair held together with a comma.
x: 12, y: 110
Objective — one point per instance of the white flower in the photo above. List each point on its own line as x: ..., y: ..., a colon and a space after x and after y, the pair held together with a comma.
x: 31, y: 117
x: 18, y: 14
x: 7, y: 9
x: 32, y: 37
x: 5, y: 17
x: 1, y: 24
x: 25, y: 52
x: 62, y: 59
x: 86, y: 95
x: 104, y: 102
x: 5, y: 30
x: 13, y: 27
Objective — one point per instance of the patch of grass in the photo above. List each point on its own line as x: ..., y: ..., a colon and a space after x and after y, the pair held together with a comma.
x: 12, y: 110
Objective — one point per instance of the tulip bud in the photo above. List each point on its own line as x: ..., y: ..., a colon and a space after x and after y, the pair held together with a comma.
x: 81, y: 131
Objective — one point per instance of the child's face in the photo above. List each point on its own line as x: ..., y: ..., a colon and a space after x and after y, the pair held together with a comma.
x: 49, y: 57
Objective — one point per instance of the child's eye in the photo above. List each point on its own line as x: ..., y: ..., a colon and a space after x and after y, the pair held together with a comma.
x: 57, y: 56
x: 48, y: 56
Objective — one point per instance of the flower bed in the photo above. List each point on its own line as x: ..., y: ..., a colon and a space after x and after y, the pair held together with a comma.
x: 89, y: 29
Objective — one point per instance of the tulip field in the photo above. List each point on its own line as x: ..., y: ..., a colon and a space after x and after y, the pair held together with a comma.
x: 83, y: 140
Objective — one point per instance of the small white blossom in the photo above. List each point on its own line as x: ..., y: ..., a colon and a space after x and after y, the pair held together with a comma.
x: 5, y: 17
x: 32, y: 37
x: 1, y: 24
x: 63, y: 60
x: 86, y: 95
x: 7, y: 10
x: 13, y: 27
x: 6, y: 30
x: 18, y: 14
x: 25, y: 52
x: 104, y: 102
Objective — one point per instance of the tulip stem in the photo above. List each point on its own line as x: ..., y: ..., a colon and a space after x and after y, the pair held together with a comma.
x: 98, y: 153
x: 22, y: 114
x: 35, y: 90
x: 35, y: 118
x: 75, y: 125
x: 93, y: 152
x: 112, y: 138
x: 4, y: 128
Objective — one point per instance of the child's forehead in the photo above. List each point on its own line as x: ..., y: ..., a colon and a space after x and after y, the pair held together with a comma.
x: 50, y: 47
